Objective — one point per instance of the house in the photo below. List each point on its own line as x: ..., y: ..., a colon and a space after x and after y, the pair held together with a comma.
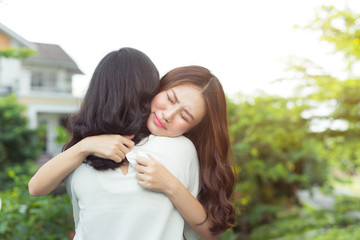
x: 42, y: 82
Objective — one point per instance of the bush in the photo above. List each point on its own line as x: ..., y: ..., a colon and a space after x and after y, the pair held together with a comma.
x: 348, y: 233
x: 229, y: 235
x: 32, y: 218
x: 9, y: 171
x: 345, y: 204
x: 304, y: 223
x: 275, y: 154
x: 18, y: 143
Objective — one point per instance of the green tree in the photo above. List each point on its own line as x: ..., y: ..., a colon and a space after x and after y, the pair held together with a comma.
x: 18, y: 143
x: 276, y: 144
x: 24, y: 217
x: 20, y: 53
x: 341, y: 29
x: 274, y: 154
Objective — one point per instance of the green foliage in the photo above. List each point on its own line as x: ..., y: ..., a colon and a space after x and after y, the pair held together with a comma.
x: 20, y: 53
x: 23, y: 217
x: 277, y: 148
x: 229, y: 235
x: 18, y: 143
x: 274, y: 154
x: 62, y: 135
x: 346, y: 204
x: 348, y: 233
x: 303, y: 225
x: 339, y: 96
x: 9, y: 171
x: 340, y: 28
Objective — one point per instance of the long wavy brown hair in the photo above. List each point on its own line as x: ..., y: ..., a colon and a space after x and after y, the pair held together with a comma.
x: 211, y: 139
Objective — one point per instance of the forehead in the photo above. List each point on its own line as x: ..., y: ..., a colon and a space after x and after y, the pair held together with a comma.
x: 187, y: 87
x: 190, y: 98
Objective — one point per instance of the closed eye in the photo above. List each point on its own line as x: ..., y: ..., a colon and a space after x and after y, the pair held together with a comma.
x: 168, y: 96
x: 183, y: 117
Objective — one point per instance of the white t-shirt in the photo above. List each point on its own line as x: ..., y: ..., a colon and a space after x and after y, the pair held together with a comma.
x: 110, y: 205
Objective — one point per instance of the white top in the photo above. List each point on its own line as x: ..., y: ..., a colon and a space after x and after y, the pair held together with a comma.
x: 110, y: 205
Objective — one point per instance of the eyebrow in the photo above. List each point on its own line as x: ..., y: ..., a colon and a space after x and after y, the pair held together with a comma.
x: 177, y: 100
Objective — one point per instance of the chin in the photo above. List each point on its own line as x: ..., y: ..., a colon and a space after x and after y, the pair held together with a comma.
x: 153, y: 130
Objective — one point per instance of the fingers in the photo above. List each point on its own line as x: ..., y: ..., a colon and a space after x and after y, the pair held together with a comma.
x: 122, y: 148
x: 118, y: 156
x: 108, y: 146
x: 143, y: 161
x: 140, y: 168
x: 142, y: 184
x: 146, y: 181
x: 127, y: 142
x: 151, y: 157
x: 121, y: 141
x: 142, y: 177
x: 129, y: 136
x: 142, y: 181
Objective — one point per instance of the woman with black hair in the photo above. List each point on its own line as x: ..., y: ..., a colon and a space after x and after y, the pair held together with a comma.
x: 113, y: 204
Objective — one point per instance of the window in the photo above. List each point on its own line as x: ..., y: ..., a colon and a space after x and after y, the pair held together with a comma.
x: 43, y: 80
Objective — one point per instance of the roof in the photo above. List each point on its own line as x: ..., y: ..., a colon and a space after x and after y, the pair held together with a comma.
x: 53, y: 55
x: 18, y: 38
x: 50, y: 55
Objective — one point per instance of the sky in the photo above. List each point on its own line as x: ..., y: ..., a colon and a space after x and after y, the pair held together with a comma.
x: 243, y: 43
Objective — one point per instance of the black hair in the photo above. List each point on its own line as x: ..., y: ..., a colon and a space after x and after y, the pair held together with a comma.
x: 117, y: 101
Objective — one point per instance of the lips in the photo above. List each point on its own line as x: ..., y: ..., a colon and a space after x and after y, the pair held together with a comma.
x: 158, y: 122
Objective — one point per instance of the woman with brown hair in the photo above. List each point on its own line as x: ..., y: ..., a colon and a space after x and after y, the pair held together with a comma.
x: 190, y: 102
x: 211, y: 140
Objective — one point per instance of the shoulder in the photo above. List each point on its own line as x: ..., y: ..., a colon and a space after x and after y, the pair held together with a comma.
x: 179, y: 143
x: 82, y: 170
x: 180, y: 149
x: 177, y: 148
x: 170, y: 140
x: 83, y: 179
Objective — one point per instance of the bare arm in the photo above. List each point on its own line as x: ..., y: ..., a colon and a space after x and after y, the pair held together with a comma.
x: 154, y: 176
x: 52, y: 173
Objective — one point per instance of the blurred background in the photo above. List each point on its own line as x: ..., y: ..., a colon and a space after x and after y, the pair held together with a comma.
x: 291, y: 72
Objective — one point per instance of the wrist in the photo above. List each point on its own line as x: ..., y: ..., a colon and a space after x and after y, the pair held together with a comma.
x: 82, y: 149
x: 173, y: 187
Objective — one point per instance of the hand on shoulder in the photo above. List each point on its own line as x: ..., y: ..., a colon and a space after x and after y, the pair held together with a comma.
x: 108, y: 146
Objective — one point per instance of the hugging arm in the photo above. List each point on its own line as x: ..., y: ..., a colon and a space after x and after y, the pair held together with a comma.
x: 154, y: 176
x: 51, y: 174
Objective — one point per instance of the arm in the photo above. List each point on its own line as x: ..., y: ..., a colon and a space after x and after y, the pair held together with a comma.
x: 154, y: 176
x: 52, y: 173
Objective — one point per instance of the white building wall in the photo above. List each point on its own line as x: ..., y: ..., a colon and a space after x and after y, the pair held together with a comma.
x: 49, y: 114
x: 51, y: 121
x: 61, y: 79
x: 24, y: 87
x: 34, y: 109
x: 10, y: 71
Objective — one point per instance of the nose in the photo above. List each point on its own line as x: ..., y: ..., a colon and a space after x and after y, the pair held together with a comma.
x: 169, y: 114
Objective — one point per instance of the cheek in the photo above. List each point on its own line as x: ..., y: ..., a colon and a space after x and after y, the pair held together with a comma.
x: 157, y: 102
x: 181, y: 127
